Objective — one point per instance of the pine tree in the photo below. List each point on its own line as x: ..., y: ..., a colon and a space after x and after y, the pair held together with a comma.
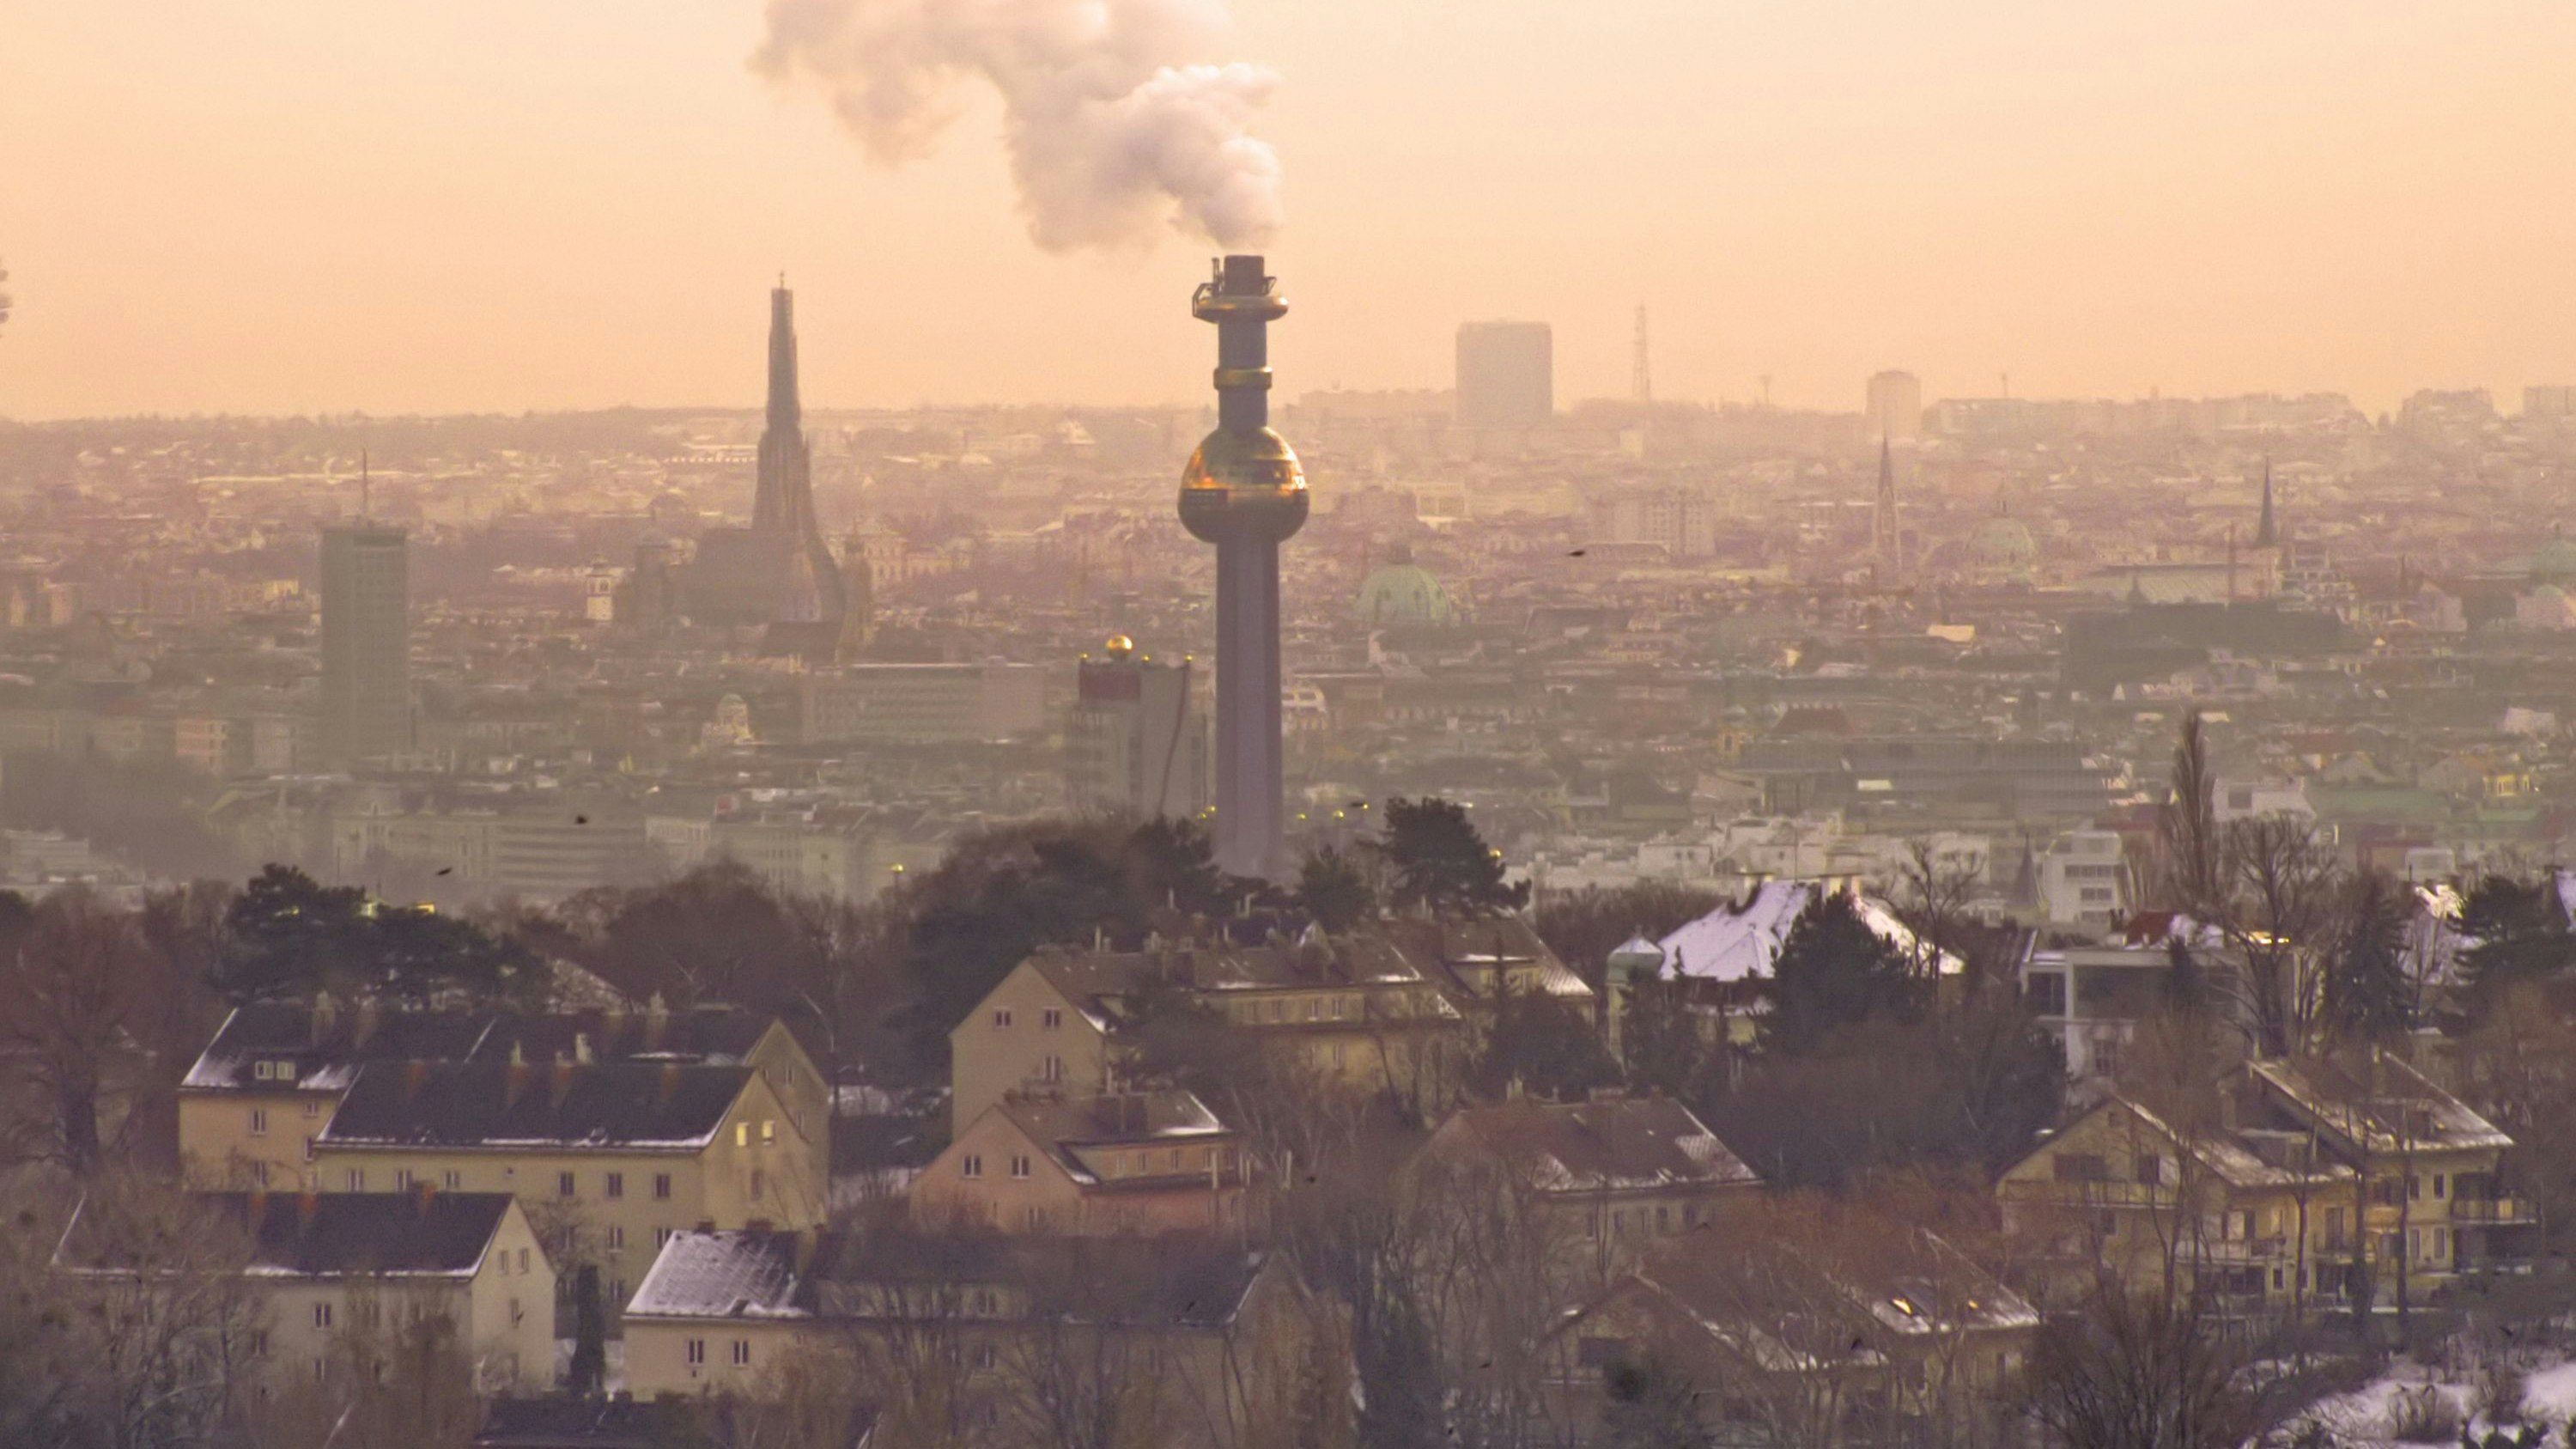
x: 1835, y: 972
x: 2367, y: 995
x: 589, y: 1334
x: 1442, y: 863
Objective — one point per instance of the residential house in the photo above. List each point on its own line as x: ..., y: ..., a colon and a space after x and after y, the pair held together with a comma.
x: 987, y: 1340
x: 328, y: 1266
x: 1354, y: 1009
x: 258, y: 1097
x: 1613, y: 1176
x: 2305, y: 1184
x: 1138, y: 1162
x: 1829, y: 1332
x: 608, y: 1158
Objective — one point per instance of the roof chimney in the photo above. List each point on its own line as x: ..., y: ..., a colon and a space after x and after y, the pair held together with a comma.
x: 367, y: 1020
x: 670, y: 1082
x: 422, y: 1190
x: 326, y: 1015
x: 306, y: 1205
x: 657, y: 1020
x: 581, y: 1048
x: 415, y: 1077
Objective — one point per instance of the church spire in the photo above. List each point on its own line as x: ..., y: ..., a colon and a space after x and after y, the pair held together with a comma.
x: 785, y: 409
x: 2265, y: 534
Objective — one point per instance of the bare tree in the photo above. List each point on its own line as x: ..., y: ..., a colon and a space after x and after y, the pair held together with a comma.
x: 2281, y: 919
x: 78, y: 981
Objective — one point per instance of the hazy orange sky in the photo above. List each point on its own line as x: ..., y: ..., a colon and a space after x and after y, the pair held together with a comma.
x: 302, y: 205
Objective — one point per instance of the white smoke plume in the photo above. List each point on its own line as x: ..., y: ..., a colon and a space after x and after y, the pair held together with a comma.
x: 1115, y: 127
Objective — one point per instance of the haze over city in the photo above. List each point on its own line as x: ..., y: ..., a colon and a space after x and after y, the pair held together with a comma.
x: 292, y: 206
x: 1230, y: 724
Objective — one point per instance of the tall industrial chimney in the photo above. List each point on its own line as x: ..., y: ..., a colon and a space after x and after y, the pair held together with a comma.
x: 1245, y: 493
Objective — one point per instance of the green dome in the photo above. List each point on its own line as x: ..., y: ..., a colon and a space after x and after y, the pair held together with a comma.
x: 2555, y: 563
x: 1401, y: 594
x: 2003, y: 543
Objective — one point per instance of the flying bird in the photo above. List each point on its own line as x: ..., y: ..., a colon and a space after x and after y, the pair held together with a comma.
x: 1578, y: 553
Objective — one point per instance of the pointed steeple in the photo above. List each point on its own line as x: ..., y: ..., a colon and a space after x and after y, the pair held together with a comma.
x: 786, y: 409
x: 2265, y: 534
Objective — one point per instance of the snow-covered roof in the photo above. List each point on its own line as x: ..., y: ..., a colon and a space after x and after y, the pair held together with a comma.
x: 1741, y: 943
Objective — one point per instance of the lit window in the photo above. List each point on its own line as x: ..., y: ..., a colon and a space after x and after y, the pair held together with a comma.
x: 742, y: 1134
x: 768, y: 1131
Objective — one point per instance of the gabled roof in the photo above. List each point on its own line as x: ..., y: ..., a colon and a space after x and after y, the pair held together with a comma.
x: 315, y: 1235
x: 2383, y: 1107
x: 1065, y: 1128
x: 2227, y: 1157
x: 497, y: 1104
x: 1633, y: 1143
x: 1741, y: 942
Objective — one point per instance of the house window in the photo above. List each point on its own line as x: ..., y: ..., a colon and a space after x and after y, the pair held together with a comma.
x: 2441, y: 1244
x: 564, y: 1185
x: 1600, y: 1353
x: 259, y: 1121
x: 357, y: 1179
x: 2079, y: 1167
x: 2047, y: 994
x: 1019, y: 1165
x: 616, y: 1236
x: 2150, y: 1168
x: 614, y: 1185
x: 1051, y: 1069
x: 523, y: 1260
x: 697, y: 1351
x: 617, y: 1290
x: 259, y: 1170
x: 662, y: 1186
x: 402, y: 1179
x: 768, y: 1131
x: 321, y: 1315
x: 2441, y: 1181
x: 452, y: 1179
x: 2414, y: 1189
x: 971, y: 1165
x: 1051, y: 1019
x: 1001, y: 1017
x: 742, y: 1134
x: 262, y: 1070
x: 308, y: 1149
x: 312, y: 1109
x: 741, y: 1352
x: 663, y: 1236
x: 986, y: 1356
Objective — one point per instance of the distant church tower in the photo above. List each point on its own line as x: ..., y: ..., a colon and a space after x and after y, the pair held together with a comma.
x: 1887, y: 541
x: 2266, y: 534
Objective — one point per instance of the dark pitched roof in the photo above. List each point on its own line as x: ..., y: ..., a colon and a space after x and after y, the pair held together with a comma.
x: 487, y: 1103
x: 326, y: 1234
x: 1633, y: 1142
x: 327, y: 1044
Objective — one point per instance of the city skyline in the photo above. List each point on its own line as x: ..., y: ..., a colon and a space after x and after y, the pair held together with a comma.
x: 474, y: 212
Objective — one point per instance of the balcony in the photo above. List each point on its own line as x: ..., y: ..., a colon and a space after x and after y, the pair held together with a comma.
x: 2502, y: 1211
